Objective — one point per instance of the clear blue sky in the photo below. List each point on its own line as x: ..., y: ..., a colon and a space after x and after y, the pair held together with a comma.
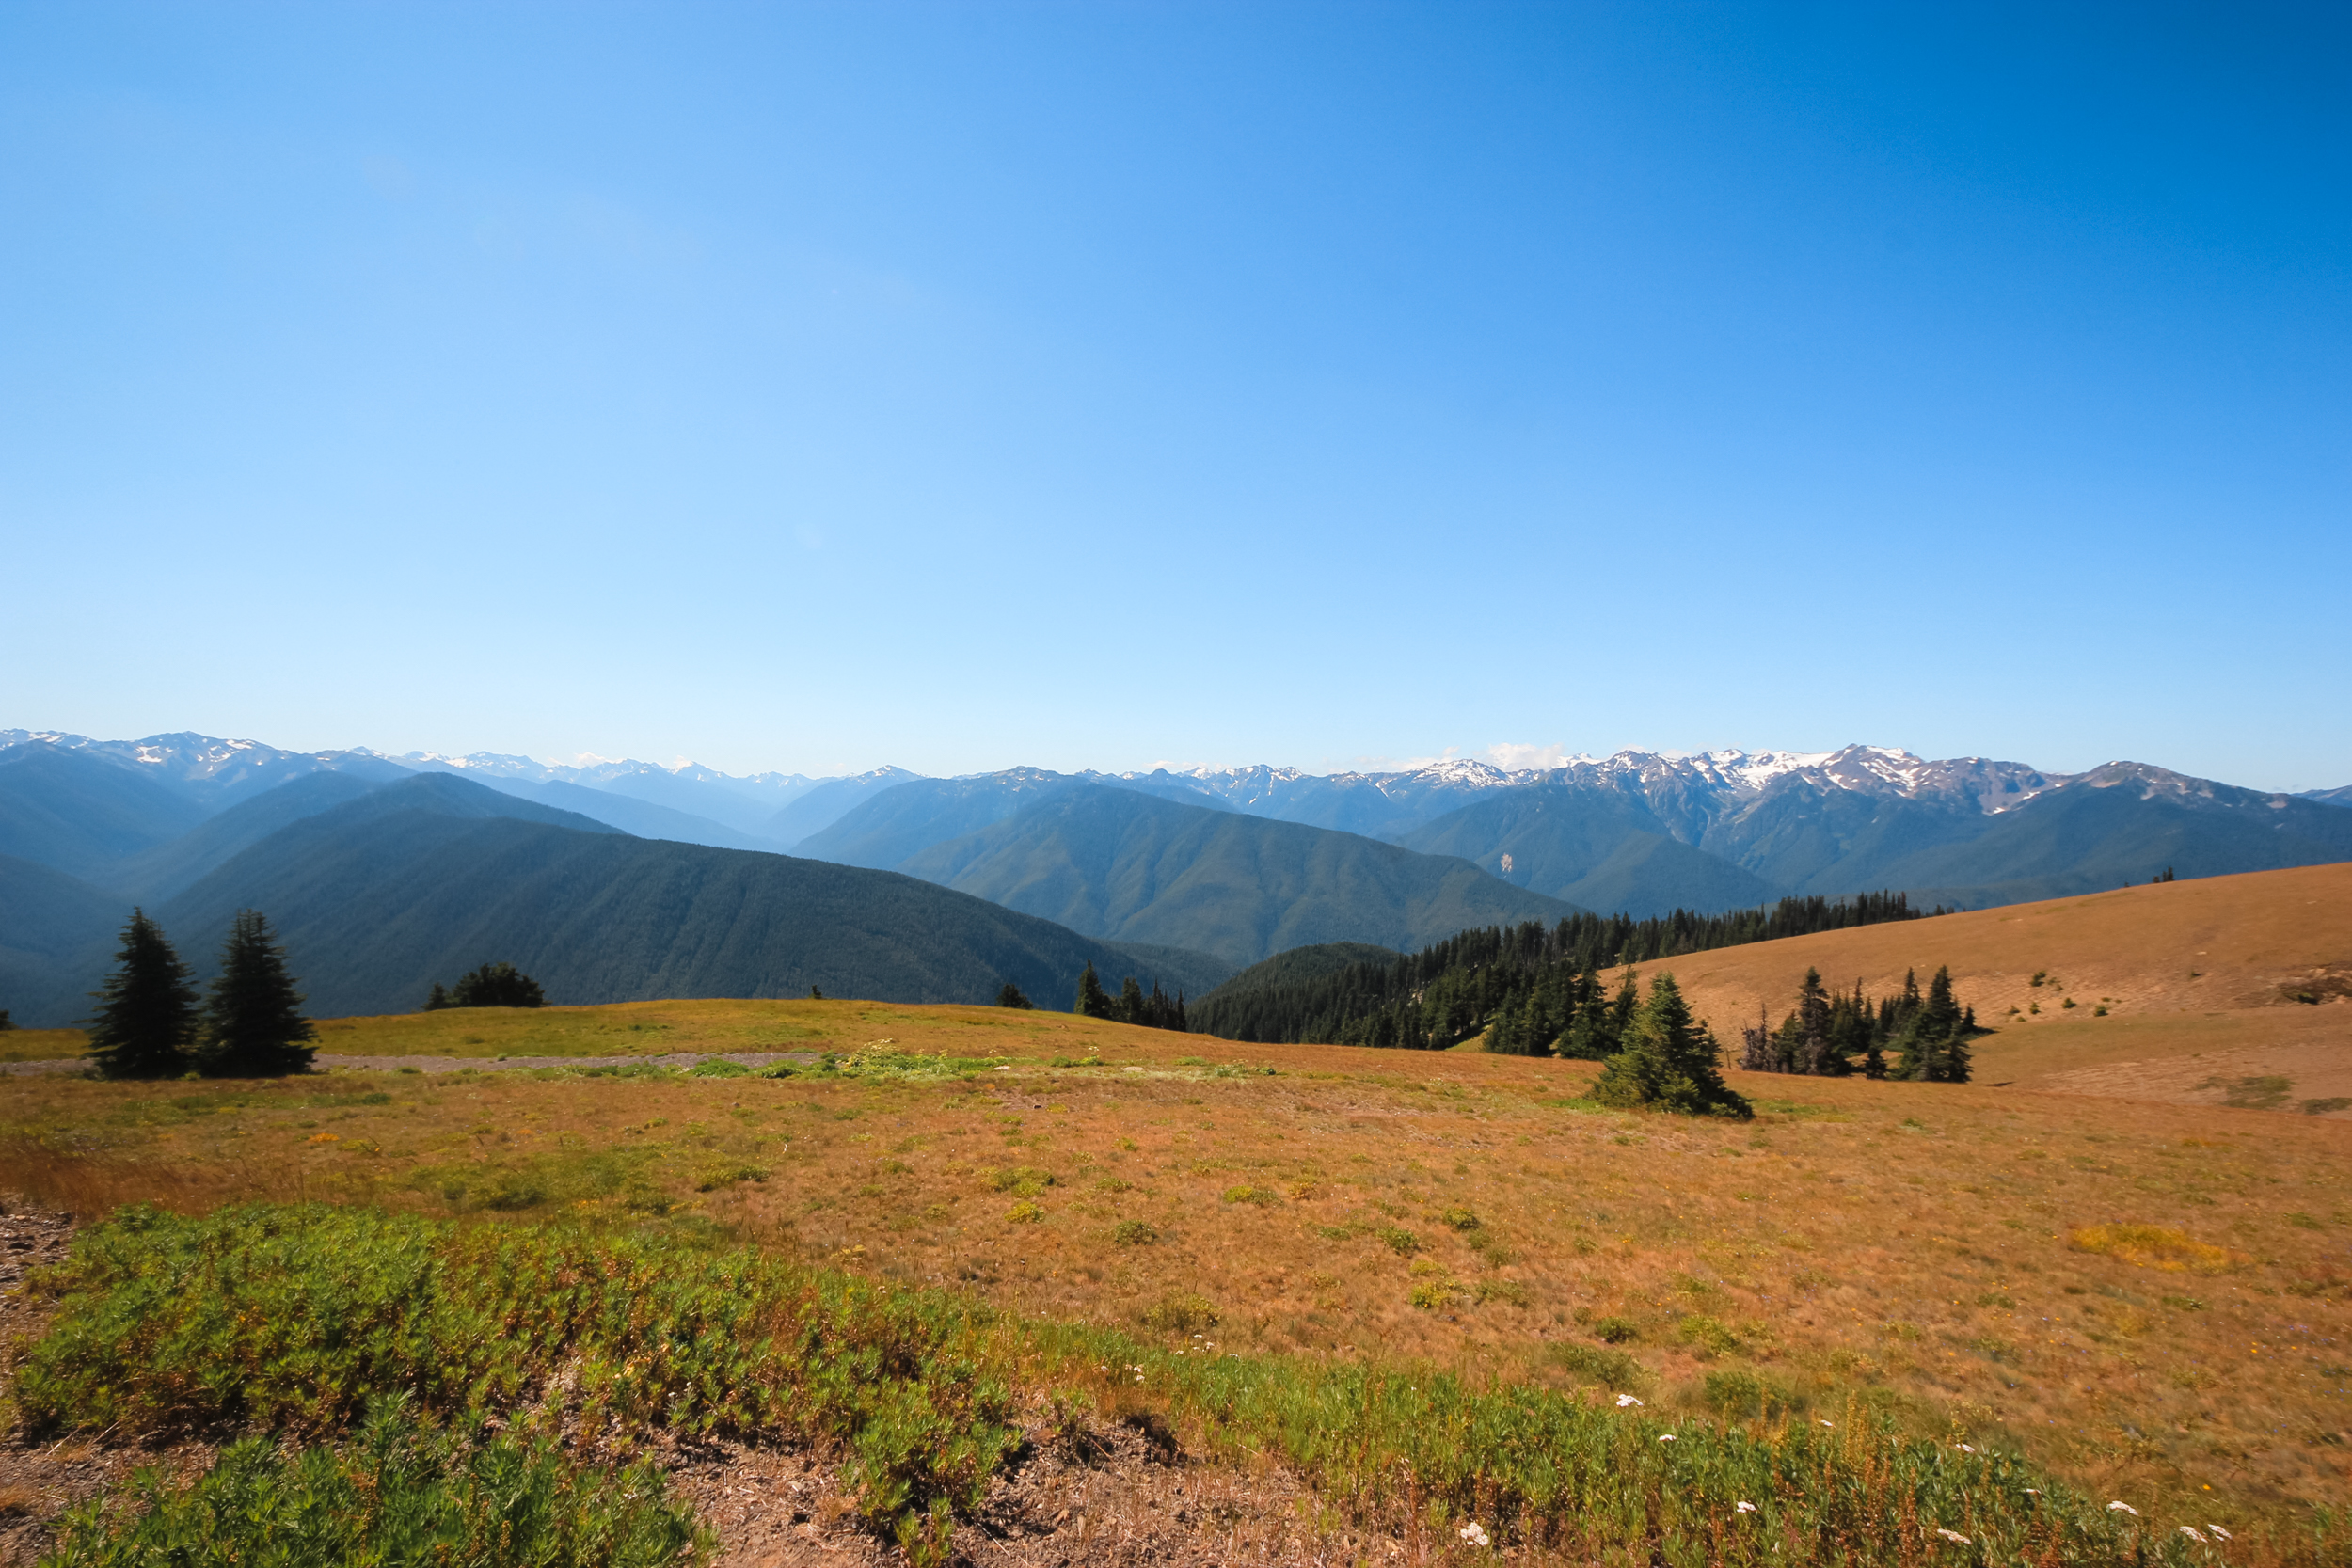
x: 967, y: 384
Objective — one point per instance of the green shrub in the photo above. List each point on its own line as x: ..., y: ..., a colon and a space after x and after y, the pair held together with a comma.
x: 295, y: 1318
x: 400, y: 1493
x: 1186, y: 1313
x: 718, y: 1066
x: 1613, y: 1369
x: 1135, y: 1233
x: 1438, y: 1291
x: 1709, y: 1335
x: 1616, y: 1331
x: 1737, y: 1395
x: 1508, y: 1291
x: 1400, y: 1241
x: 1026, y: 1213
x: 1246, y: 1193
x: 1460, y: 1219
x: 1021, y: 1180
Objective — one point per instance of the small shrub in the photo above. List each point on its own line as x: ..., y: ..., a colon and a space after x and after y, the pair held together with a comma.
x: 2305, y: 1222
x: 1112, y: 1185
x: 1135, y: 1233
x: 1400, y: 1241
x: 1711, y: 1336
x: 718, y: 1066
x: 1021, y: 1180
x: 1189, y: 1312
x: 1509, y: 1291
x: 727, y: 1173
x: 1460, y: 1219
x: 1437, y: 1292
x: 1613, y: 1369
x: 1246, y: 1194
x: 2183, y: 1304
x: 1616, y: 1331
x: 1025, y: 1212
x: 1737, y: 1395
x: 1333, y: 1232
x: 2154, y: 1247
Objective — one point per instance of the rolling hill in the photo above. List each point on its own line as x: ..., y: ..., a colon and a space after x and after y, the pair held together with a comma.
x: 379, y: 895
x: 79, y: 812
x: 2200, y: 980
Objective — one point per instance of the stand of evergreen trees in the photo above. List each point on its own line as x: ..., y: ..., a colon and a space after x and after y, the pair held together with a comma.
x: 1157, y: 1011
x: 1831, y: 1036
x: 1535, y: 987
x: 1666, y: 1061
x: 150, y: 1022
x: 497, y: 985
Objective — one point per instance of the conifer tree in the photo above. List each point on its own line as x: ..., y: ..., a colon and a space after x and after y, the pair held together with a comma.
x: 1131, y: 1007
x: 1092, y: 1000
x: 1011, y: 997
x: 253, y: 1023
x: 146, y: 1014
x: 1668, y: 1062
x: 437, y: 1000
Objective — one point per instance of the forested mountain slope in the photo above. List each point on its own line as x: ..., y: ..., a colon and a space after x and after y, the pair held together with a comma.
x: 1132, y: 867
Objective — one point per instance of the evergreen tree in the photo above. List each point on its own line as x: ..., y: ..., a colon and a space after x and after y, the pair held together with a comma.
x: 501, y: 985
x: 1092, y: 1000
x: 816, y: 995
x: 1011, y: 997
x: 1669, y: 1062
x: 253, y: 1023
x: 437, y: 1000
x: 1131, y: 1007
x: 146, y: 1014
x: 7, y: 1022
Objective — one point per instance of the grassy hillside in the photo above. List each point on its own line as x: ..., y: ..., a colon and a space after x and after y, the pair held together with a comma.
x: 1945, y: 1259
x: 2199, y: 980
x: 1132, y: 867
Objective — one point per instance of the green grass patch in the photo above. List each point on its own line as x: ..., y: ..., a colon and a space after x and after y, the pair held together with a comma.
x: 398, y: 1493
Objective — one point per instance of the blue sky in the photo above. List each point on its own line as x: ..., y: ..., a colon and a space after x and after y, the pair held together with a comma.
x: 960, y: 385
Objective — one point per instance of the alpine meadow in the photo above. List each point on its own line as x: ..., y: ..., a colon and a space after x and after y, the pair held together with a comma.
x: 1175, y: 786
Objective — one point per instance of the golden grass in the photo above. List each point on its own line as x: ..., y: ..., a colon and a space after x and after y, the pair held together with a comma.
x: 41, y: 1045
x: 1908, y: 1244
x: 2155, y: 1246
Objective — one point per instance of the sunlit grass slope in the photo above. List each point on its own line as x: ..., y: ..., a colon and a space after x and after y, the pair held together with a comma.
x: 1932, y: 1252
x: 2201, y: 985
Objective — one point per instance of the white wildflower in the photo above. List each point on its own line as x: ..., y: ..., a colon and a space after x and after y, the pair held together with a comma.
x: 1668, y: 1438
x: 2190, y: 1531
x: 2219, y: 1531
x: 2124, y: 1507
x: 1624, y: 1400
x: 1952, y: 1535
x: 1966, y: 1448
x: 1829, y: 1423
x: 1475, y: 1534
x: 1743, y: 1508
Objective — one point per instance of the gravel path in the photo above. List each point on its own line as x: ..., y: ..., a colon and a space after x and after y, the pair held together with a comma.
x: 479, y: 1063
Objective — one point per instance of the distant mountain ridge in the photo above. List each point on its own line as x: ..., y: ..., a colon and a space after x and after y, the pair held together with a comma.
x: 379, y: 889
x: 1638, y: 833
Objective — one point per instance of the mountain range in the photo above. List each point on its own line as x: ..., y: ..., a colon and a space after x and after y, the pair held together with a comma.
x: 1189, y: 873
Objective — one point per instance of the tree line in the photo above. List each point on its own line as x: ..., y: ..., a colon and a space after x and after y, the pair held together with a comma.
x: 1154, y: 1010
x: 1830, y: 1036
x: 1536, y: 986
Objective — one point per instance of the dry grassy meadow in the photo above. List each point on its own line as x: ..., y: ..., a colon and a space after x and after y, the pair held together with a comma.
x: 2151, y: 1296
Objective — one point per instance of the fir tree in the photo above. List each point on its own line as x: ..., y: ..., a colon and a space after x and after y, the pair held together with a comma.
x: 437, y: 1000
x: 501, y: 985
x: 1011, y: 997
x: 1092, y: 1000
x: 1668, y: 1062
x: 253, y: 1023
x: 147, y: 1015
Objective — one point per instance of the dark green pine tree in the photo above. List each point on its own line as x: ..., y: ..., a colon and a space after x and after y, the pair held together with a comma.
x: 1668, y: 1062
x: 1933, y: 1033
x: 1131, y: 1007
x: 253, y: 1023
x: 1092, y: 1000
x: 1011, y: 997
x: 147, y: 1018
